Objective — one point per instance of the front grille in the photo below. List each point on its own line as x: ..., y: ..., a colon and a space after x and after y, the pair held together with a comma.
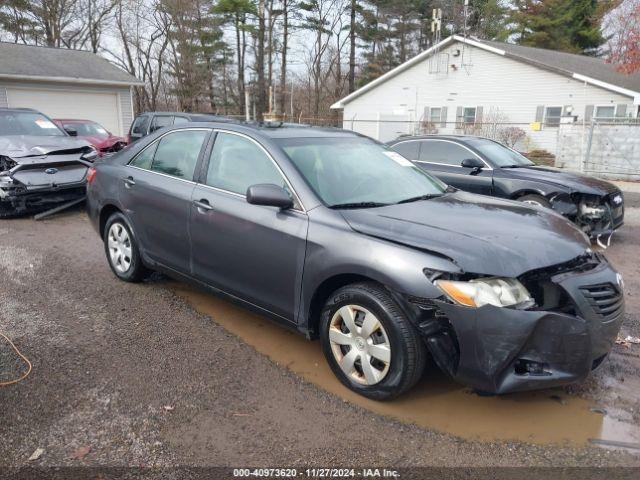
x: 605, y: 299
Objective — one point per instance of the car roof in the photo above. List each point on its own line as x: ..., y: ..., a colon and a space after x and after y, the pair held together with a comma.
x: 453, y: 137
x: 73, y: 120
x: 15, y: 109
x: 191, y: 115
x: 275, y: 130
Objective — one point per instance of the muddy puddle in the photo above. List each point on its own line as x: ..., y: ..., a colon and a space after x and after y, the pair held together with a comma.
x: 438, y: 403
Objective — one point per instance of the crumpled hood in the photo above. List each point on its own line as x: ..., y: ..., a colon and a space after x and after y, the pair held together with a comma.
x: 21, y: 146
x: 482, y: 235
x: 572, y: 180
x: 103, y: 142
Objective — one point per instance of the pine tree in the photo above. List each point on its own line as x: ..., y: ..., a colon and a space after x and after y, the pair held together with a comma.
x: 567, y: 25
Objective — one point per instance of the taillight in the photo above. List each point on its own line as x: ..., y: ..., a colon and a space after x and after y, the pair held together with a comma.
x: 91, y: 175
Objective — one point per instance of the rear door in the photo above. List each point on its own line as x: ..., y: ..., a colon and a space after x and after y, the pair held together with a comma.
x: 156, y: 191
x: 443, y: 158
x: 254, y: 252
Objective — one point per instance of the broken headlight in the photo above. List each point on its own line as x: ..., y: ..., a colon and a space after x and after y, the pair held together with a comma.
x: 499, y: 292
x: 592, y: 211
x: 6, y: 164
x: 90, y: 154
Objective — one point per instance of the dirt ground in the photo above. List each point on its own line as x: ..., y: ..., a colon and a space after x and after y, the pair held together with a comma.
x: 158, y: 374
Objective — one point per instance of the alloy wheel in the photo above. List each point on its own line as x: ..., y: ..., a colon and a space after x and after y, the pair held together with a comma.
x: 119, y: 244
x: 360, y: 344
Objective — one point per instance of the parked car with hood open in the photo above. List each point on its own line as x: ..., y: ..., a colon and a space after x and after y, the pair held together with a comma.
x: 40, y: 165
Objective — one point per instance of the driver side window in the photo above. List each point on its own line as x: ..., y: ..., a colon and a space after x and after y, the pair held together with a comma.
x: 236, y: 163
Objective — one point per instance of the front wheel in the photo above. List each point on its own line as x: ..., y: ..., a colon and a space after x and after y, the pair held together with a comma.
x: 533, y: 199
x: 122, y: 250
x: 369, y: 343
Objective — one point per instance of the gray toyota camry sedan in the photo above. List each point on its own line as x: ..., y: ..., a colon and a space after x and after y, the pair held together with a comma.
x: 337, y: 236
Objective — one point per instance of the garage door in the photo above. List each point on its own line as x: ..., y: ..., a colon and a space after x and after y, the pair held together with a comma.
x: 99, y: 107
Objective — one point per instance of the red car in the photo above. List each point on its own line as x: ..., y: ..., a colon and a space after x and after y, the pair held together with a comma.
x: 104, y: 141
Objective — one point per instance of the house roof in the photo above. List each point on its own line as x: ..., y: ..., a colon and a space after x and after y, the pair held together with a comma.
x: 27, y: 62
x: 580, y: 67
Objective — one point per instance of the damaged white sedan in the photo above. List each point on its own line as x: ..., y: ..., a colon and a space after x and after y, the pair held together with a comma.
x: 41, y: 166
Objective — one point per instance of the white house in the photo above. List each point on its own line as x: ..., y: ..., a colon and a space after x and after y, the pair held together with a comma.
x: 64, y: 83
x: 466, y: 85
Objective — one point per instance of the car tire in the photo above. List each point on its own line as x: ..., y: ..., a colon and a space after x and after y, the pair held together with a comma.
x: 121, y: 248
x: 396, y: 337
x: 533, y: 199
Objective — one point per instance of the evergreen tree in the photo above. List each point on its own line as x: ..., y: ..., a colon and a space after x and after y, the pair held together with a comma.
x: 568, y: 25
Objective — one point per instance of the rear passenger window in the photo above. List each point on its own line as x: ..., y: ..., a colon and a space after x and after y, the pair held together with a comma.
x: 236, y: 163
x: 407, y: 149
x: 448, y: 153
x: 179, y: 120
x: 177, y: 153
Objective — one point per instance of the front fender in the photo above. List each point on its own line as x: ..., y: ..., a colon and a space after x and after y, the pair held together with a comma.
x: 335, y: 250
x: 516, y: 187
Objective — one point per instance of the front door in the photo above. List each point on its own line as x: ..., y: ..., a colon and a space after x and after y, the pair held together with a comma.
x: 251, y: 251
x: 443, y: 159
x: 156, y: 193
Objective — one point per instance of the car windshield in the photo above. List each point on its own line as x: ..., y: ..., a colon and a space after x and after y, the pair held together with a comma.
x: 27, y: 123
x: 88, y: 129
x: 498, y: 154
x: 358, y: 172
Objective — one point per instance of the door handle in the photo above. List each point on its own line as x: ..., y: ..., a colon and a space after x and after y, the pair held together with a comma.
x: 203, y: 205
x: 129, y: 182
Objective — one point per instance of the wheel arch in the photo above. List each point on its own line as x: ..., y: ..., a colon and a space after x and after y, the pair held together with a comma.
x: 322, y: 293
x: 527, y: 191
x: 105, y: 212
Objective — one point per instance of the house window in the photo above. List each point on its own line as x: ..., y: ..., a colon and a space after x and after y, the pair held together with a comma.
x: 552, y: 116
x: 435, y: 115
x: 607, y: 112
x: 469, y: 115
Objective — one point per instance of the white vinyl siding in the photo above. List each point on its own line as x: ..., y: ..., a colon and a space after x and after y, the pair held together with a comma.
x: 492, y: 81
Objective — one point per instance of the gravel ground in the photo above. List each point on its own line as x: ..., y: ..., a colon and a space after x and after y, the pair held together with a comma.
x: 132, y: 375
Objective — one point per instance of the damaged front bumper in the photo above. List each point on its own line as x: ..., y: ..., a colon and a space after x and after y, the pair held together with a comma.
x: 595, y: 215
x: 30, y: 188
x: 500, y: 350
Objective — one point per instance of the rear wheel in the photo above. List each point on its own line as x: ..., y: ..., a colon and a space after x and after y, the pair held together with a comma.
x: 122, y: 250
x: 533, y: 199
x: 369, y: 343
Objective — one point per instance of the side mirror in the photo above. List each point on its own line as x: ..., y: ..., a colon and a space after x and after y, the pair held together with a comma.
x: 71, y: 131
x: 269, y: 195
x: 474, y: 163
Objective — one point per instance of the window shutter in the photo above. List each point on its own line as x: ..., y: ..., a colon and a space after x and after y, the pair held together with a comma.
x: 459, y: 117
x: 621, y: 110
x: 425, y: 114
x: 478, y: 114
x: 443, y: 117
x: 539, y: 113
x: 588, y: 113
